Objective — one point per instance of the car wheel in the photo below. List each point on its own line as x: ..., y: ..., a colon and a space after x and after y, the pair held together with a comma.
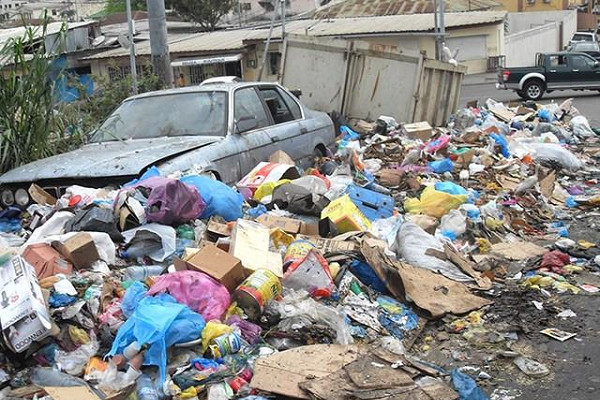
x: 533, y: 89
x: 319, y: 152
x: 521, y: 94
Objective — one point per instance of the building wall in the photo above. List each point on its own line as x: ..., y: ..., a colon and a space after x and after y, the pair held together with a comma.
x: 534, y: 5
x: 519, y: 22
x: 522, y: 47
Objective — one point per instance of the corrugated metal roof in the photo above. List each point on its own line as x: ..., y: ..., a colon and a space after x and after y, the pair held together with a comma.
x: 371, y: 8
x: 51, y: 29
x: 227, y: 41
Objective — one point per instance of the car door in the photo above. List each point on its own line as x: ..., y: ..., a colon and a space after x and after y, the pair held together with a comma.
x: 583, y: 71
x: 250, y: 118
x: 290, y: 132
x: 557, y: 71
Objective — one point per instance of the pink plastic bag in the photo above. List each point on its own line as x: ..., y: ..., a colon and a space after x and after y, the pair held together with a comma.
x: 198, y: 291
x: 437, y: 144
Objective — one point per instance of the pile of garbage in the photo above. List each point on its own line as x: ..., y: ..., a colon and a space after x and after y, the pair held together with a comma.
x: 410, y: 263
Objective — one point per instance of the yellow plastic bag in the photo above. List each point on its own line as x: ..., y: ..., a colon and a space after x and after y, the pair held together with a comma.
x: 434, y: 203
x: 267, y: 188
x: 212, y: 330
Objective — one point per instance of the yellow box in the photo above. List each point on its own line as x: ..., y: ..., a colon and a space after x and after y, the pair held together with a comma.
x: 346, y: 216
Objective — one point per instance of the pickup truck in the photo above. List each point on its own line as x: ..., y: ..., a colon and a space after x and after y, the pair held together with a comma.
x: 553, y: 71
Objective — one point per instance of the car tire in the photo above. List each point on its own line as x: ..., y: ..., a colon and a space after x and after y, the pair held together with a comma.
x: 521, y: 94
x: 533, y: 89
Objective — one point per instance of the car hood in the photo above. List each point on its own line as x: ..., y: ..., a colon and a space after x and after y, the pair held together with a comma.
x: 117, y: 158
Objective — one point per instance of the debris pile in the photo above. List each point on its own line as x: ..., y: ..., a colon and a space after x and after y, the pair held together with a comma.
x: 412, y: 262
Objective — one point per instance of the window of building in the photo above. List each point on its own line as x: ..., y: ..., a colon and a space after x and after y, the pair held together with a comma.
x: 274, y: 63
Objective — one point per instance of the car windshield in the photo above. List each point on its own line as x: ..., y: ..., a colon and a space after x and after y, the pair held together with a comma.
x: 585, y: 47
x: 175, y: 114
x: 582, y: 38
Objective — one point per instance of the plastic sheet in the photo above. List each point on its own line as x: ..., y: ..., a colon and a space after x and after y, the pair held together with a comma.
x: 434, y: 203
x: 198, y: 291
x: 412, y: 244
x: 220, y: 199
x: 153, y: 233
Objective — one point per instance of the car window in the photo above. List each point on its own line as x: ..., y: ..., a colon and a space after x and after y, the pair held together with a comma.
x: 556, y: 61
x: 581, y: 62
x: 587, y: 38
x: 177, y: 114
x: 291, y: 103
x: 248, y: 104
x: 277, y: 107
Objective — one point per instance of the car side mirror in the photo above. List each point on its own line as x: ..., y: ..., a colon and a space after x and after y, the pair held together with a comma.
x: 597, y: 64
x: 246, y: 123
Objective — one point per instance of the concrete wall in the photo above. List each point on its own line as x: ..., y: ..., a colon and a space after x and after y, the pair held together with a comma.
x: 519, y: 22
x: 534, y: 5
x: 522, y: 47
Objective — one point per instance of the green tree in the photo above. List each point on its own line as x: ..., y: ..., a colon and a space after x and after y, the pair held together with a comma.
x: 118, y: 6
x: 206, y: 13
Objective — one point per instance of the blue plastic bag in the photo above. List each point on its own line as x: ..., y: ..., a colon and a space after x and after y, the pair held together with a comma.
x: 152, y: 172
x: 348, y: 133
x: 466, y: 386
x: 396, y: 317
x: 132, y: 297
x: 366, y: 275
x: 450, y: 188
x: 501, y: 141
x: 441, y: 166
x: 159, y: 322
x: 220, y: 199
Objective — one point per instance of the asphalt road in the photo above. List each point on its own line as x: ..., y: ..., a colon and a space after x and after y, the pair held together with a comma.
x: 587, y: 102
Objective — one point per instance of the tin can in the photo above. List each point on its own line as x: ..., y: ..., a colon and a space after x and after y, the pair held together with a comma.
x: 229, y: 343
x: 297, y: 250
x: 256, y: 291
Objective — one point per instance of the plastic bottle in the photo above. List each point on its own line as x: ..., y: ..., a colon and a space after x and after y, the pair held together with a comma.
x: 145, y: 388
x: 140, y: 273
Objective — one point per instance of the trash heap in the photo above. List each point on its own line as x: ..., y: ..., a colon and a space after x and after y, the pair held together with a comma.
x: 411, y: 263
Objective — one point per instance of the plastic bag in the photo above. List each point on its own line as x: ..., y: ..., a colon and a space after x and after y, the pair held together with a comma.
x: 150, y: 173
x: 453, y: 224
x: 297, y: 308
x: 159, y: 322
x: 581, y: 127
x: 552, y: 152
x: 220, y: 199
x: 412, y: 244
x: 95, y: 219
x: 250, y: 332
x: 172, y: 201
x: 311, y: 274
x: 434, y: 203
x: 441, y: 166
x: 451, y: 188
x: 266, y: 189
x: 199, y: 291
x: 132, y: 297
x: 437, y: 144
x: 74, y: 362
x: 213, y: 330
x: 500, y: 141
x: 466, y: 386
x: 152, y: 233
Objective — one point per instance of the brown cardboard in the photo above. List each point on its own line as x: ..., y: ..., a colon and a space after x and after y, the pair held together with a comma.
x: 419, y: 130
x: 214, y: 262
x: 327, y: 246
x: 216, y: 230
x: 250, y: 243
x: 281, y: 157
x: 70, y: 393
x: 46, y: 261
x: 80, y: 250
x: 288, y: 225
x: 40, y: 196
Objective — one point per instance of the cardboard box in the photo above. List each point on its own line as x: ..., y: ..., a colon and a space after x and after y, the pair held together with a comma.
x: 267, y: 172
x: 214, y: 262
x: 345, y: 215
x: 288, y: 225
x: 80, y: 250
x: 46, y: 261
x: 250, y: 244
x: 216, y: 230
x: 40, y: 196
x: 328, y: 246
x: 419, y: 130
x: 23, y: 314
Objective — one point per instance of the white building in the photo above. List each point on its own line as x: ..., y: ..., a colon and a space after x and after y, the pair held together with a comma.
x: 8, y: 8
x: 256, y: 10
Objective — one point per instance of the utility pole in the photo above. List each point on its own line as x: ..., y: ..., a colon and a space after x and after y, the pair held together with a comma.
x: 440, y: 27
x: 134, y: 88
x: 283, y: 20
x: 159, y: 45
x: 239, y: 7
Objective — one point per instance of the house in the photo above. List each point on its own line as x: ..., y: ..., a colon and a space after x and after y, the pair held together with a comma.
x: 473, y: 36
x: 249, y: 11
x: 534, y: 5
x: 374, y: 8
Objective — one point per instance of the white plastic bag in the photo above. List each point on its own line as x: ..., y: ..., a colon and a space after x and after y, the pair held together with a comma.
x: 557, y: 153
x: 167, y: 235
x: 453, y: 225
x: 413, y: 242
x: 581, y: 127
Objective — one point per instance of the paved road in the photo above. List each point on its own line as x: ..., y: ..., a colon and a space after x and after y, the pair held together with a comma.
x: 588, y: 103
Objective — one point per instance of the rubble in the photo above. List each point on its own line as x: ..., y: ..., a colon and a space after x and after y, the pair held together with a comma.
x: 415, y: 262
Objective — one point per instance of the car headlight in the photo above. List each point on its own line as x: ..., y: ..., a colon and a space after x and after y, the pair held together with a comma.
x: 8, y: 198
x: 22, y: 197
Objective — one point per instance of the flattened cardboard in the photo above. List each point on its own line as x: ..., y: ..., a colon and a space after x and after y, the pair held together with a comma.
x: 23, y: 314
x: 46, y: 261
x: 79, y: 249
x: 215, y: 262
x: 288, y: 225
x: 327, y: 246
x: 518, y: 251
x: 71, y: 393
x: 280, y: 373
x: 216, y: 230
x: 40, y: 196
x: 250, y: 244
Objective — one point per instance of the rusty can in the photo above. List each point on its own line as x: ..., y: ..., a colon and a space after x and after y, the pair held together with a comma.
x: 229, y: 343
x: 254, y: 293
